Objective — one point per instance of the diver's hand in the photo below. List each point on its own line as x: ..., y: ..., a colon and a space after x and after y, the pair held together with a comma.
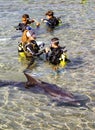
x: 44, y: 20
x: 47, y: 50
x: 32, y: 21
x: 37, y: 23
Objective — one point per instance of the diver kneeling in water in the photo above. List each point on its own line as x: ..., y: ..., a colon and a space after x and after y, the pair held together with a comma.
x: 56, y: 54
x: 51, y: 21
x: 26, y: 21
x: 29, y: 45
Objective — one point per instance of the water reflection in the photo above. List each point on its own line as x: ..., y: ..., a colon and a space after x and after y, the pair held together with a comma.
x: 25, y: 109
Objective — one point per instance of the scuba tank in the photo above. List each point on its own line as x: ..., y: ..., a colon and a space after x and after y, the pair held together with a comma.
x: 23, y: 53
x: 21, y: 50
x: 64, y: 59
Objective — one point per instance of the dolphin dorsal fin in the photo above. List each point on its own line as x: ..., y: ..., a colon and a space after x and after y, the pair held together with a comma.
x: 31, y: 79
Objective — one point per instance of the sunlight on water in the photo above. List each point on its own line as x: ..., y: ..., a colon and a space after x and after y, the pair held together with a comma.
x: 34, y: 109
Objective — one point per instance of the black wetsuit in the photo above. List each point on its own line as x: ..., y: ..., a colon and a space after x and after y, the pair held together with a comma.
x: 54, y: 56
x: 53, y: 22
x: 21, y: 26
x: 34, y: 49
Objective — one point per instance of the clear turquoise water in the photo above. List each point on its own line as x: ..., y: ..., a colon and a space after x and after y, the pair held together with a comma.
x: 26, y: 110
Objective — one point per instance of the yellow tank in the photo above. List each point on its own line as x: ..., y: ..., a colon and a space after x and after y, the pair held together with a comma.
x: 63, y: 61
x: 83, y: 1
x: 22, y: 54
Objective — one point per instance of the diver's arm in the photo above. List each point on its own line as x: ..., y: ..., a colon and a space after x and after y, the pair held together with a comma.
x: 46, y: 21
x: 47, y: 53
x: 36, y: 22
x: 39, y: 53
x: 19, y: 26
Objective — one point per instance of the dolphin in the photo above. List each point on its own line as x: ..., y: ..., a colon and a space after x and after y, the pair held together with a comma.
x: 61, y: 96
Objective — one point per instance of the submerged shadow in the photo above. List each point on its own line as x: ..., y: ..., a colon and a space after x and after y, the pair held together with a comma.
x: 76, y: 63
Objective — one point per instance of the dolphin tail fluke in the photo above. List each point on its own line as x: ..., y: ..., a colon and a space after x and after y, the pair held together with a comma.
x: 31, y: 81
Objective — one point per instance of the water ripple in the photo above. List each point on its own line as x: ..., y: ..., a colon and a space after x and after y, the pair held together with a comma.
x: 33, y: 109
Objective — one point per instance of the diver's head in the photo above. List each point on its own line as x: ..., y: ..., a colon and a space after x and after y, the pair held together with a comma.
x: 54, y: 42
x: 25, y: 18
x: 49, y: 14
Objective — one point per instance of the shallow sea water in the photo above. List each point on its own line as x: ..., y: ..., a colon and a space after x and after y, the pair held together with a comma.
x: 33, y: 109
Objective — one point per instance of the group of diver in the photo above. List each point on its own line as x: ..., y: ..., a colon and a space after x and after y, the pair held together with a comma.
x: 54, y: 54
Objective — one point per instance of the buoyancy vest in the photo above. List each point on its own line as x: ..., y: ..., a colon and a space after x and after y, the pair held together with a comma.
x: 32, y: 47
x: 55, y: 55
x: 52, y: 22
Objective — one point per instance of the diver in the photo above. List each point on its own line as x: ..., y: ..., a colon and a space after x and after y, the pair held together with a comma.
x: 51, y: 21
x: 26, y: 22
x: 30, y: 47
x: 29, y: 44
x: 56, y: 54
